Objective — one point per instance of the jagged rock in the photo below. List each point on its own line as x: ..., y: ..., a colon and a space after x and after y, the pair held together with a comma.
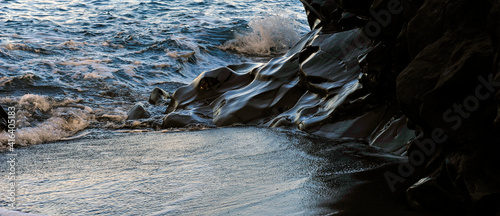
x: 314, y: 87
x: 158, y: 94
x: 137, y: 112
x: 434, y: 64
x: 449, y: 86
x: 447, y: 68
x: 452, y: 66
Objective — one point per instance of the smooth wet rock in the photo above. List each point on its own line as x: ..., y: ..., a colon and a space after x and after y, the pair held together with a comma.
x: 158, y: 94
x: 211, y: 84
x: 423, y: 69
x: 137, y: 112
x: 185, y: 118
x: 315, y: 87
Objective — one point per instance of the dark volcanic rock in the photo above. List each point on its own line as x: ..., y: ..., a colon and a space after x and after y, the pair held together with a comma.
x: 137, y: 112
x: 376, y: 70
x: 158, y: 94
x: 315, y: 87
x: 448, y: 86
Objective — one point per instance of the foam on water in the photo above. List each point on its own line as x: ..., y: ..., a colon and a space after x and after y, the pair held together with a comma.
x: 104, y: 57
x: 37, y: 102
x: 268, y: 35
x: 43, y: 119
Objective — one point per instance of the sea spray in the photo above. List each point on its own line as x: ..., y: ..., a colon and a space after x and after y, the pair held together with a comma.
x: 103, y: 60
x: 44, y: 119
x: 270, y: 35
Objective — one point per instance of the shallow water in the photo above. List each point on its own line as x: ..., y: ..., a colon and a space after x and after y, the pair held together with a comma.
x: 91, y: 61
x: 235, y: 171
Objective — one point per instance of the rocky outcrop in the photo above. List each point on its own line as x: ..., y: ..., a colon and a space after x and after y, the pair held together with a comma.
x: 329, y: 84
x: 137, y: 112
x: 415, y: 77
x: 449, y: 87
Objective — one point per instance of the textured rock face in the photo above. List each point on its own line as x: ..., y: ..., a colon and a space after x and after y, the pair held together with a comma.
x: 373, y: 70
x: 329, y: 84
x: 449, y: 85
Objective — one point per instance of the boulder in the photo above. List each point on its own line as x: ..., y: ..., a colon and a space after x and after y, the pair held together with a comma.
x: 158, y: 94
x: 137, y: 112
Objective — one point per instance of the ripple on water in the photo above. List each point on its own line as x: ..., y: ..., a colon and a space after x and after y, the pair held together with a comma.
x: 247, y: 171
x: 111, y: 54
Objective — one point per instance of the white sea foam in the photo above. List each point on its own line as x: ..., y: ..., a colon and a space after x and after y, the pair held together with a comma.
x: 184, y: 55
x: 38, y: 102
x: 272, y: 34
x: 100, y: 67
x: 55, y: 128
x: 129, y: 70
x: 42, y: 119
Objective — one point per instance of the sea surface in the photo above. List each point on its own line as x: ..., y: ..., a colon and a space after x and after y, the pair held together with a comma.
x: 225, y: 171
x: 71, y: 67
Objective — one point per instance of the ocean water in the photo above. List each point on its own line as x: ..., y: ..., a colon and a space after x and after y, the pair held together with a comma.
x: 225, y: 171
x: 72, y: 70
x: 73, y: 67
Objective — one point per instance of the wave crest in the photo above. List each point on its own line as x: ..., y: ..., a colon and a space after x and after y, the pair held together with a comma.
x: 43, y: 119
x: 273, y: 34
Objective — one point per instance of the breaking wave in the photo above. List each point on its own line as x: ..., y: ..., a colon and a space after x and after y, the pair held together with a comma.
x: 270, y: 35
x: 44, y: 119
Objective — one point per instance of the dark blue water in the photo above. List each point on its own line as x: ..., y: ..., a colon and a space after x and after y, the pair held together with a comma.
x: 71, y: 66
